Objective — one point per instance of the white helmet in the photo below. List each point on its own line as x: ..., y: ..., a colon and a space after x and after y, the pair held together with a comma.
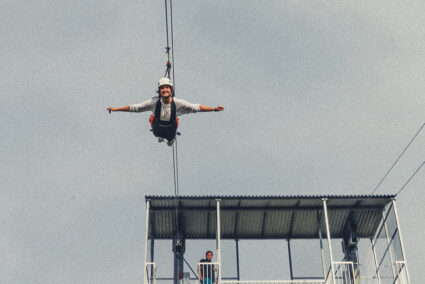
x: 165, y: 81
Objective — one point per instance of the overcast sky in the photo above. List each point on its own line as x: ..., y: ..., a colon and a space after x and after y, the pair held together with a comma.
x: 320, y: 98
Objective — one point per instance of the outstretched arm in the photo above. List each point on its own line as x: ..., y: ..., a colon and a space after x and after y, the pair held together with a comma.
x: 126, y: 108
x: 207, y: 108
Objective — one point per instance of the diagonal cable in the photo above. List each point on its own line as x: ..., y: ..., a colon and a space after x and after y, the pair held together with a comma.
x: 417, y: 170
x: 402, y: 153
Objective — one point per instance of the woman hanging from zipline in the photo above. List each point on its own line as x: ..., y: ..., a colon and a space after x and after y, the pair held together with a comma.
x: 165, y: 110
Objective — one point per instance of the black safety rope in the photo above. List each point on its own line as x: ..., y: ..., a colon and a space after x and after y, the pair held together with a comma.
x: 170, y: 60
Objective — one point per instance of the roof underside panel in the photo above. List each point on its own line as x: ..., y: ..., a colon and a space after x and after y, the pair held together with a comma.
x: 264, y: 217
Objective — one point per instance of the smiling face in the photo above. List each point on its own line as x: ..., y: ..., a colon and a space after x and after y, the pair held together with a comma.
x: 209, y: 255
x: 165, y: 91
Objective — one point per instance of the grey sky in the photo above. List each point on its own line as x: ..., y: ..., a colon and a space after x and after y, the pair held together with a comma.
x: 320, y: 97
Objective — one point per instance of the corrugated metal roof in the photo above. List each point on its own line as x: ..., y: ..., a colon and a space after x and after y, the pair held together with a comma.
x: 264, y: 217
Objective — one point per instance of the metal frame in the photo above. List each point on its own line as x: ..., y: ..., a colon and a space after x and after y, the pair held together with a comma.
x: 218, y: 242
x: 322, y: 253
x: 372, y: 243
x: 328, y: 234
x: 238, y: 276
x: 290, y: 259
x: 401, y: 241
x: 387, y: 235
x: 309, y: 281
x: 146, y: 276
x: 345, y: 269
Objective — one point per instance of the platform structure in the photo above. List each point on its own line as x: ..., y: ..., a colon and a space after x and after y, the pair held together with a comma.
x: 358, y: 237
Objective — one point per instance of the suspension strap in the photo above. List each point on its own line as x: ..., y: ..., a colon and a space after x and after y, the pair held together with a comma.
x: 169, y: 71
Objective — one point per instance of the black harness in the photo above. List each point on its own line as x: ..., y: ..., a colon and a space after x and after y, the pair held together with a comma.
x: 161, y: 128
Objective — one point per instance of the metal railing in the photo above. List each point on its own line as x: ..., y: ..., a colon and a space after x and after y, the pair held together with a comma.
x: 401, y: 273
x: 344, y: 272
x: 297, y: 281
x: 208, y: 272
x: 150, y: 273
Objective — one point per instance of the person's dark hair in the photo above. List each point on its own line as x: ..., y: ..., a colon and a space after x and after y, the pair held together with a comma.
x: 208, y: 252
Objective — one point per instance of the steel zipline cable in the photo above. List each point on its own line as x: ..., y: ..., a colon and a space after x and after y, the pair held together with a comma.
x: 411, y: 177
x: 402, y: 153
x: 169, y: 72
x: 170, y: 69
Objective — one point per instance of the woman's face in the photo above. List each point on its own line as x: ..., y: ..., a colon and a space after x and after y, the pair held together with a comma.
x: 165, y: 91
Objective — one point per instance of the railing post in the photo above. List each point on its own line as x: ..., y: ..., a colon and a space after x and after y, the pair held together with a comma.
x: 146, y: 243
x: 325, y: 208
x: 321, y: 246
x: 218, y: 243
x: 401, y: 241
x: 376, y: 261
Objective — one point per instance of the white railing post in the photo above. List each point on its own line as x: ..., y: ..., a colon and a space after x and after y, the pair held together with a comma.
x: 150, y: 269
x: 401, y: 272
x: 206, y: 270
x: 325, y: 208
x: 218, y: 280
x: 375, y: 260
x: 146, y: 281
x: 322, y: 253
x: 295, y: 281
x: 345, y: 272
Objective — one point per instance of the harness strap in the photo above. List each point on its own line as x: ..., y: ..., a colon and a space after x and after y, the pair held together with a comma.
x: 164, y: 129
x: 155, y: 120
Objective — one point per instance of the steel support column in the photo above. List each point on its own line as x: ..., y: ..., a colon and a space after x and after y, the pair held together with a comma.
x: 376, y: 261
x: 290, y: 259
x: 237, y: 259
x: 218, y: 242
x: 146, y: 242
x: 392, y: 261
x: 322, y: 253
x: 328, y: 233
x: 152, y: 255
x: 401, y: 241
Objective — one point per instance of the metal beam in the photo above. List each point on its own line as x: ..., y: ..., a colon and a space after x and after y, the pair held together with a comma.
x: 401, y: 240
x: 152, y: 255
x: 264, y: 223
x: 290, y: 259
x: 212, y: 236
x: 237, y: 259
x: 218, y: 242
x: 237, y: 221
x: 322, y: 253
x: 146, y: 242
x: 328, y: 233
x: 375, y: 260
x: 292, y: 221
x: 266, y: 208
